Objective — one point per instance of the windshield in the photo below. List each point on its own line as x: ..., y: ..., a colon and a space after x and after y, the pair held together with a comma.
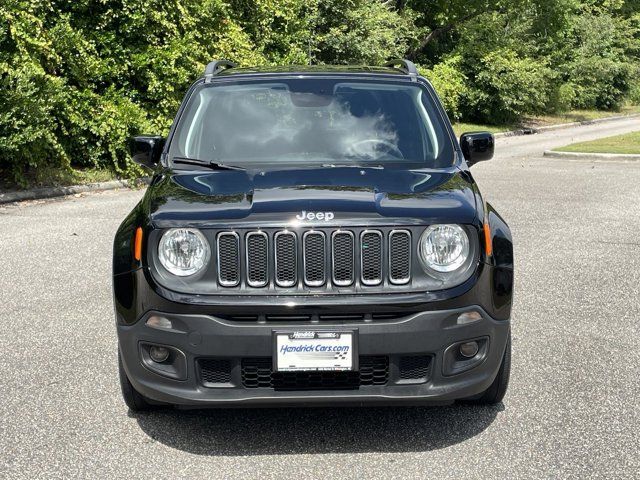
x: 313, y: 122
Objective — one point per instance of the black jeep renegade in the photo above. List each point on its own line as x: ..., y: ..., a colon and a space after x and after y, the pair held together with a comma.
x: 312, y: 236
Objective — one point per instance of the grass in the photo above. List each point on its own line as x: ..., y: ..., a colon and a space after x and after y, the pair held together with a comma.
x: 583, y: 115
x: 58, y: 177
x: 552, y: 119
x: 460, y: 128
x: 626, y: 143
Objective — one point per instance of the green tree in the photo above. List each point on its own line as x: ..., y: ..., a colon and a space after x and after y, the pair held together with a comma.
x: 79, y: 77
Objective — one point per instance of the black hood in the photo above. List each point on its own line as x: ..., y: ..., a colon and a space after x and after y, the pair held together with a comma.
x: 275, y: 198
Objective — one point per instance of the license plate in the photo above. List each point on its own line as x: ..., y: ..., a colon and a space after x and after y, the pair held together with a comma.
x: 313, y: 351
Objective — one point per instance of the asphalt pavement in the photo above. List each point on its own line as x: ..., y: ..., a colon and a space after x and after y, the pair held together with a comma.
x: 572, y: 410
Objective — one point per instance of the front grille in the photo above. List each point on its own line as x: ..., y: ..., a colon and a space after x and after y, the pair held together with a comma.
x: 228, y: 259
x: 371, y: 253
x: 318, y: 258
x: 257, y: 259
x: 286, y: 259
x: 314, y: 258
x: 258, y: 373
x: 343, y: 261
x: 399, y: 256
x: 215, y: 371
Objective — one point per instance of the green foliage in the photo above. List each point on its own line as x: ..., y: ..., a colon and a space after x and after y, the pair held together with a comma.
x: 358, y: 32
x: 79, y: 77
x: 450, y: 84
x: 598, y: 66
x: 507, y: 87
x: 634, y: 91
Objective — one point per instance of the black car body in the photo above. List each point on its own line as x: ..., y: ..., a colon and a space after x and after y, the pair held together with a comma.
x: 317, y: 251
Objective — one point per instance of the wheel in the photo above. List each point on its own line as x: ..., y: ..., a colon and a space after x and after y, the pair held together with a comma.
x: 497, y: 390
x: 134, y: 400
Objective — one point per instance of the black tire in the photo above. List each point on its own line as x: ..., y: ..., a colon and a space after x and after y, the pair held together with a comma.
x: 134, y: 400
x: 497, y: 390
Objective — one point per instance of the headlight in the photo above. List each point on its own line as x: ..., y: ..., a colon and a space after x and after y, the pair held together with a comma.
x: 443, y: 248
x: 183, y: 251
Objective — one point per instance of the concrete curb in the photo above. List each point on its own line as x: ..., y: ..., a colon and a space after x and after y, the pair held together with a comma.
x: 560, y: 126
x: 602, y: 157
x: 51, y: 192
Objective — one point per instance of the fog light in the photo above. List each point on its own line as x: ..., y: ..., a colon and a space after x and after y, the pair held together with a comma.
x: 158, y: 354
x: 469, y: 349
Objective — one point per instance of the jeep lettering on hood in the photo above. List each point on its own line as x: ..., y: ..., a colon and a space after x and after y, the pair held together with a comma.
x: 326, y: 216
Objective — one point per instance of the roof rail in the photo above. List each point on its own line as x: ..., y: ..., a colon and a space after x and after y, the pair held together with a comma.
x: 407, y: 67
x: 215, y: 67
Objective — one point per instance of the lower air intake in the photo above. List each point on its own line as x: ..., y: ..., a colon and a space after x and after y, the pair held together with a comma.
x: 415, y: 368
x: 214, y: 371
x: 258, y: 373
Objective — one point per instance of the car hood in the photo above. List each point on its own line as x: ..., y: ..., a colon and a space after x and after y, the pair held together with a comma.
x: 354, y: 196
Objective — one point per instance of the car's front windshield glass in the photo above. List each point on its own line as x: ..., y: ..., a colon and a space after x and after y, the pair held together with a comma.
x: 313, y: 122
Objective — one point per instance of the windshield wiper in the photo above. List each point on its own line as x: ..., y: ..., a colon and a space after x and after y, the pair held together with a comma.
x: 205, y: 163
x: 351, y: 165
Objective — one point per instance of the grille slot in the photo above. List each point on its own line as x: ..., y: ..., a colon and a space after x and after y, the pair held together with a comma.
x: 228, y: 259
x: 257, y: 259
x: 324, y: 317
x: 215, y: 371
x: 258, y: 373
x: 374, y: 370
x: 314, y: 258
x: 371, y: 257
x: 399, y: 256
x: 342, y: 317
x: 287, y: 318
x: 343, y: 258
x: 286, y: 252
x: 415, y: 367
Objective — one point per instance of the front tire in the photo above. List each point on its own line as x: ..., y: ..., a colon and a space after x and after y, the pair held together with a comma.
x: 497, y: 390
x: 134, y: 400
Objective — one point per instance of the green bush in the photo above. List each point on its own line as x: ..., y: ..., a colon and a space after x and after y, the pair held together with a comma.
x: 599, y: 66
x: 362, y: 32
x: 508, y: 87
x: 79, y: 78
x: 564, y: 97
x: 634, y: 91
x: 450, y: 84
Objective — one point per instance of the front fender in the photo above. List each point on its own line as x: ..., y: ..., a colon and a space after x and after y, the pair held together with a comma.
x: 501, y: 259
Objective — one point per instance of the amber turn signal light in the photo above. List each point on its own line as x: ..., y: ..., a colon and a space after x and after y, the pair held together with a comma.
x: 488, y: 245
x: 137, y: 246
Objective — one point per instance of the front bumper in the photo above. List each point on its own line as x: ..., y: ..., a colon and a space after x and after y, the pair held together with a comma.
x: 422, y: 334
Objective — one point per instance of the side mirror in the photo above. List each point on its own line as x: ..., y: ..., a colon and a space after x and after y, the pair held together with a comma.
x: 476, y: 146
x: 146, y: 149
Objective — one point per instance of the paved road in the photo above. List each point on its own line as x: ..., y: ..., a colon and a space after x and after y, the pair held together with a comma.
x: 573, y: 409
